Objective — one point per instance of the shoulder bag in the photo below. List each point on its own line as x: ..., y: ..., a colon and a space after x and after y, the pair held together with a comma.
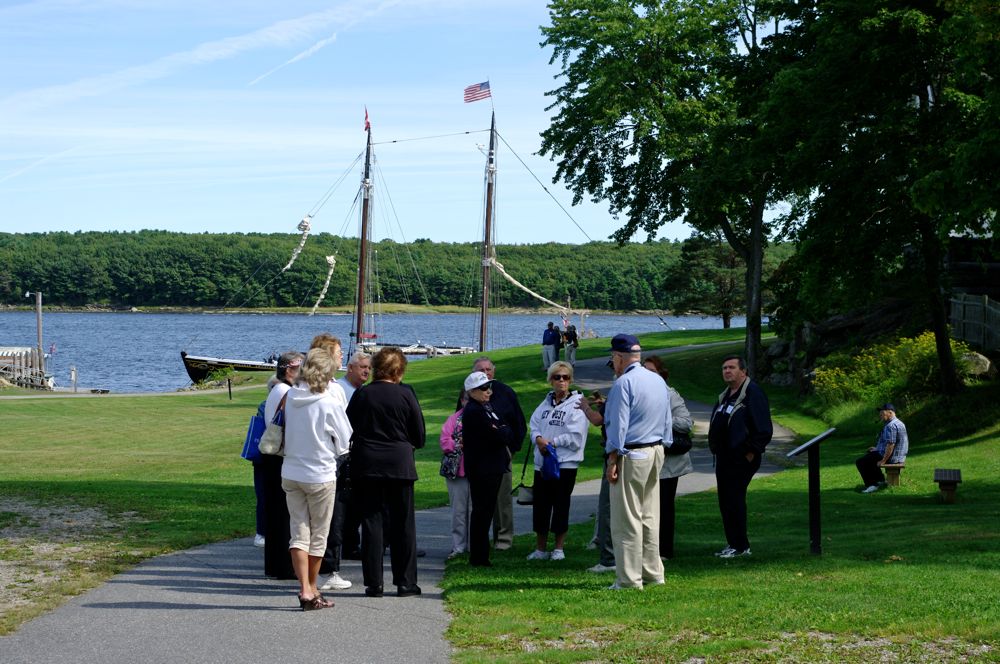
x: 273, y: 440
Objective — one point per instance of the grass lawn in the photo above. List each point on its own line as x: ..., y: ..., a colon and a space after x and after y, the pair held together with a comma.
x: 903, y: 577
x: 91, y: 486
x: 901, y: 573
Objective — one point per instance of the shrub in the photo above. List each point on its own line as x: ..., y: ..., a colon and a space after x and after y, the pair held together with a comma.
x: 901, y: 371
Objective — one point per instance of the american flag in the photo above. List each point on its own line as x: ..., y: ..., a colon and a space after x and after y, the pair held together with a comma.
x: 477, y: 91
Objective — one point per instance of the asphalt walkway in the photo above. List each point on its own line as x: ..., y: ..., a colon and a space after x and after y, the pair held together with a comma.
x: 212, y: 604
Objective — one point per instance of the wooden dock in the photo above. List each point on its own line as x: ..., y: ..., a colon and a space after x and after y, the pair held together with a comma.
x: 24, y: 367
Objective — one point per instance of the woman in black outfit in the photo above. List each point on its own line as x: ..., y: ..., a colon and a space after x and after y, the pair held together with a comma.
x: 485, y: 440
x: 388, y: 425
x: 277, y: 560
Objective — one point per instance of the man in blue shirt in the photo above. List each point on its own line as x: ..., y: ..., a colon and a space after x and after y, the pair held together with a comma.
x: 638, y: 423
x: 550, y: 337
x: 891, y: 447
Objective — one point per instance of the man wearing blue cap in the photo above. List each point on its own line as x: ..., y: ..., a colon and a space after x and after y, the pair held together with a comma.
x: 890, y: 447
x: 638, y: 422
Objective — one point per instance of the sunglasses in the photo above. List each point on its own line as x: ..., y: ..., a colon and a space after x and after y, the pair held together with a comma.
x: 561, y: 377
x: 485, y: 387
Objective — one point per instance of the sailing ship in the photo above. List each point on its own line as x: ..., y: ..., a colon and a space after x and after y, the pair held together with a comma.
x: 362, y: 336
x: 199, y: 368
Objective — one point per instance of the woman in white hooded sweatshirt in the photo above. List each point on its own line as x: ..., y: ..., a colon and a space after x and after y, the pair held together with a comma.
x: 557, y: 426
x: 316, y: 433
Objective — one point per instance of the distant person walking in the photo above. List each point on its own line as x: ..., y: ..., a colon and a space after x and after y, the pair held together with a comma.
x: 638, y: 421
x: 739, y: 430
x: 572, y: 341
x: 891, y: 446
x: 549, y: 340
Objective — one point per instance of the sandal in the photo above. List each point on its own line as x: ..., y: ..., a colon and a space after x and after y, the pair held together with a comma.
x: 314, y: 603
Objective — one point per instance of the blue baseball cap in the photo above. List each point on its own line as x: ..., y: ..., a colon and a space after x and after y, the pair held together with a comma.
x: 625, y: 343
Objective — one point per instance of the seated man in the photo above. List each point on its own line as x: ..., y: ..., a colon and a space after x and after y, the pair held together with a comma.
x: 891, y: 447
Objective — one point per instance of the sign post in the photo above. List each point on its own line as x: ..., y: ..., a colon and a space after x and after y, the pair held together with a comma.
x: 812, y: 447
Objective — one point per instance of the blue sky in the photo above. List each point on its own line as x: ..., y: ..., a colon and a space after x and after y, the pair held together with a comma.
x: 239, y: 116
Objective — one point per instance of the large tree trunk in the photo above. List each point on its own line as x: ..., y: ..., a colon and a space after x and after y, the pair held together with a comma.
x: 755, y: 268
x: 931, y: 253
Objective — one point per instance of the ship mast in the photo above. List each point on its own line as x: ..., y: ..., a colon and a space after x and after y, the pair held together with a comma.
x: 366, y: 187
x: 491, y: 170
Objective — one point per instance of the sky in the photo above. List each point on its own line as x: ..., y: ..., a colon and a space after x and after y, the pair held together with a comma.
x: 226, y: 116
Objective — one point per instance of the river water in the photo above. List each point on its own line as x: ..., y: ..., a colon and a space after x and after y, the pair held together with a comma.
x: 140, y: 352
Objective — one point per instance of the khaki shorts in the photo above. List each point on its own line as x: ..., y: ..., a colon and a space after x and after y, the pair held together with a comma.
x: 310, y: 509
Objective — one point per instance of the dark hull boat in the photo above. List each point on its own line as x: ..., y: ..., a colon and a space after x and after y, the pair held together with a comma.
x: 198, y: 368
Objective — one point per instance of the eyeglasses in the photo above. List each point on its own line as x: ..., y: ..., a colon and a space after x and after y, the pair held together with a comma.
x: 484, y: 388
x: 561, y: 377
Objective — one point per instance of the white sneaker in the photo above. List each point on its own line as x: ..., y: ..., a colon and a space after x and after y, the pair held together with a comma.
x: 872, y: 489
x: 539, y: 555
x: 558, y: 554
x: 336, y: 582
x: 455, y: 554
x: 258, y: 540
x: 733, y: 553
x: 601, y: 569
x: 615, y: 586
x: 726, y: 553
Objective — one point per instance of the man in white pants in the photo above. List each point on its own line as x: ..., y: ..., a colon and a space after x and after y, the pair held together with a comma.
x: 638, y: 422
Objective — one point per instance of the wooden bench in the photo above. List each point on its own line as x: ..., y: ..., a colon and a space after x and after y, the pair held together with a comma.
x: 892, y: 471
x: 947, y: 480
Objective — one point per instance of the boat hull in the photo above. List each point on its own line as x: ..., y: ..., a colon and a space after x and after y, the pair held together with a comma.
x: 198, y: 368
x: 419, y: 349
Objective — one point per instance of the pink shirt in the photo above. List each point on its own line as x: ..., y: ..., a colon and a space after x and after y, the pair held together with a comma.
x: 448, y: 436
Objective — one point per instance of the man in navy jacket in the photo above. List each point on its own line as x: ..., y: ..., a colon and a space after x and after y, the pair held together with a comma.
x: 739, y: 431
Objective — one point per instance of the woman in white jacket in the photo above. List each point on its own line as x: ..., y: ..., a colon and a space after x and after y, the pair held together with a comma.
x: 317, y: 431
x: 557, y: 427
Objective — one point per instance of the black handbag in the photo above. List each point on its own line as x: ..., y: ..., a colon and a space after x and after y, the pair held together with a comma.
x: 682, y: 444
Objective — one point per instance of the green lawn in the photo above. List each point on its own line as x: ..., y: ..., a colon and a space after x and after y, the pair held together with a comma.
x: 901, y: 572
x: 903, y: 577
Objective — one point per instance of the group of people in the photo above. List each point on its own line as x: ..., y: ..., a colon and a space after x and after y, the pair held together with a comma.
x: 347, y: 461
x: 646, y: 429
x: 555, y: 340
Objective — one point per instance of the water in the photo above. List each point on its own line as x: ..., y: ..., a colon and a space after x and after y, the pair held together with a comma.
x: 139, y: 352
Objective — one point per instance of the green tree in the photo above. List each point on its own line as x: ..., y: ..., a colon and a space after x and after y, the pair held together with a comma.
x: 657, y: 114
x: 881, y: 114
x: 709, y: 279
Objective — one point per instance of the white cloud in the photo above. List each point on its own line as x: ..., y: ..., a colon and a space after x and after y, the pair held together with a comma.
x: 301, y: 56
x: 282, y: 33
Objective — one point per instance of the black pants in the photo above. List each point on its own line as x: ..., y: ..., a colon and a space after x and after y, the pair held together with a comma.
x: 395, y: 497
x: 335, y: 540
x: 871, y: 472
x: 733, y: 474
x: 668, y: 491
x: 550, y: 510
x: 277, y: 559
x: 483, y: 492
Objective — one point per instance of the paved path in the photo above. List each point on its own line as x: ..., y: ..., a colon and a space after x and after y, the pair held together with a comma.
x: 212, y: 605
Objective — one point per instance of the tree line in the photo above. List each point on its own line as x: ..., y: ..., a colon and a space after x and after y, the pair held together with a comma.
x: 162, y: 268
